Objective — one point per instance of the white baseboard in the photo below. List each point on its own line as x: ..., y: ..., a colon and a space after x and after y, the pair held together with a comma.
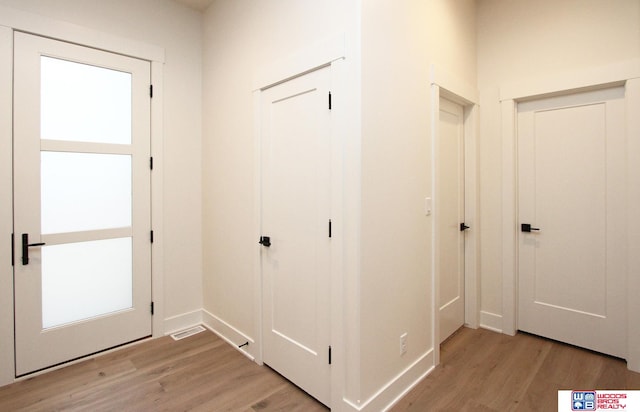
x: 231, y: 335
x: 182, y: 321
x: 398, y: 387
x: 491, y: 321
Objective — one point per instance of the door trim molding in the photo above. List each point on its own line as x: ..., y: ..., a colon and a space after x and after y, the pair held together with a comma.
x: 633, y: 215
x: 71, y: 33
x: 15, y: 20
x: 7, y: 361
x: 157, y: 198
x: 627, y: 73
x: 567, y: 81
x: 302, y: 61
x: 444, y: 84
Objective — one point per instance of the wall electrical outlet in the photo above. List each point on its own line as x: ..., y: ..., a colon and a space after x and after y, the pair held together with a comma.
x: 403, y: 343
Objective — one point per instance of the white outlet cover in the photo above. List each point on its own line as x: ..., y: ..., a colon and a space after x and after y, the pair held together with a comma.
x: 427, y: 206
x: 403, y: 343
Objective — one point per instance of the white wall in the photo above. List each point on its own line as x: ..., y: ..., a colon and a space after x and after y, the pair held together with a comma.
x: 400, y: 43
x: 178, y: 30
x: 522, y: 40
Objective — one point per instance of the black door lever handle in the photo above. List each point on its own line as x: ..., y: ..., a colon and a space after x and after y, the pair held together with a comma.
x: 526, y: 227
x: 25, y: 248
x: 463, y: 227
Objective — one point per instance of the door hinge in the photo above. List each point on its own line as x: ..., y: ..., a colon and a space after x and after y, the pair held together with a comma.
x: 329, y: 354
x: 151, y: 91
x: 265, y: 241
x: 329, y: 100
x: 151, y: 236
x: 151, y: 163
x: 329, y: 228
x: 13, y: 250
x: 151, y: 308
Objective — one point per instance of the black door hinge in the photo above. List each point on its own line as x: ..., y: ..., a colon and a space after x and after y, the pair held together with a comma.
x: 329, y: 100
x: 329, y: 355
x: 13, y: 250
x: 265, y: 241
x: 151, y: 236
x: 151, y: 163
x: 152, y: 308
x: 151, y: 91
x: 329, y: 228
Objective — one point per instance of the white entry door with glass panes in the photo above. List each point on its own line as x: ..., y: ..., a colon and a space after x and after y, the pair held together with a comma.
x: 82, y: 255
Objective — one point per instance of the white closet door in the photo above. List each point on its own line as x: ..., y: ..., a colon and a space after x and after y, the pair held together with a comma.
x: 296, y: 203
x: 572, y: 203
x: 450, y: 217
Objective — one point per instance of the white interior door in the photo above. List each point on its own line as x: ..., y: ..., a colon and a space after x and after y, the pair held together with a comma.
x: 450, y: 216
x: 296, y: 216
x: 82, y: 201
x: 572, y: 271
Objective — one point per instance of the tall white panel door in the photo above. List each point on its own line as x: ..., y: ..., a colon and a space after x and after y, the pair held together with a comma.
x: 450, y: 216
x: 82, y: 201
x: 573, y: 239
x: 296, y: 209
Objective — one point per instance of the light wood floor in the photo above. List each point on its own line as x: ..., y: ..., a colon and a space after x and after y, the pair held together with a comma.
x: 200, y: 373
x: 479, y: 371
x: 484, y: 371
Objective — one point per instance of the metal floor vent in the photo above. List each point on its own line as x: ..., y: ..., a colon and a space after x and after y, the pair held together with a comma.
x: 187, y: 332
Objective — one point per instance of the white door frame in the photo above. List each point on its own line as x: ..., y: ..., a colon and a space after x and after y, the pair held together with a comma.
x: 625, y: 73
x: 15, y: 20
x: 445, y: 85
x: 7, y: 365
x: 330, y: 52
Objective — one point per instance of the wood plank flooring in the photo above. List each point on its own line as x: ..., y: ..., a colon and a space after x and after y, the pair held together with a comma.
x: 480, y: 371
x: 486, y: 371
x: 199, y: 373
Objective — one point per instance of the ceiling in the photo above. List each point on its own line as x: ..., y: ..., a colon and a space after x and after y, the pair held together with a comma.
x: 200, y: 5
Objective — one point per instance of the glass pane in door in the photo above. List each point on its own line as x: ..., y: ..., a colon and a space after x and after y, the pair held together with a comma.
x: 84, y: 103
x: 84, y: 191
x: 85, y: 280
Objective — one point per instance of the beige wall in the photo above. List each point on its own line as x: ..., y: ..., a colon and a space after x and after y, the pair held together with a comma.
x: 400, y: 42
x: 177, y: 29
x: 241, y: 37
x: 522, y: 40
